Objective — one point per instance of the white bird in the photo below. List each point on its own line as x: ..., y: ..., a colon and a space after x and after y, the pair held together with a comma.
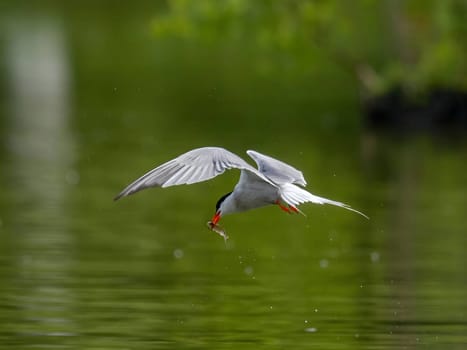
x: 274, y: 182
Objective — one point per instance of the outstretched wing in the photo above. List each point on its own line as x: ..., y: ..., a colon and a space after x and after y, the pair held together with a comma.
x: 277, y: 171
x: 198, y: 165
x: 294, y: 195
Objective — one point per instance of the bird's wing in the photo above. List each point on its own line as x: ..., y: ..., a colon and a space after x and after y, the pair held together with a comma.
x: 197, y: 165
x: 294, y: 195
x: 277, y: 171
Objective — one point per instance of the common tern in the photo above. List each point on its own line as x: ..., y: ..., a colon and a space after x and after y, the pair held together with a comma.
x: 273, y: 182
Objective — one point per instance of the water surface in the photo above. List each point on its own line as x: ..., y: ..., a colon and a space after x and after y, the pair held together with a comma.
x: 80, y: 271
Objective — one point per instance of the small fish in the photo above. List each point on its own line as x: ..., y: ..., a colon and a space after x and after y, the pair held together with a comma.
x: 216, y: 228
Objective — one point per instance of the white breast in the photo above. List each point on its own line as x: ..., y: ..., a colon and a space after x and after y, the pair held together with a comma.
x: 252, y: 192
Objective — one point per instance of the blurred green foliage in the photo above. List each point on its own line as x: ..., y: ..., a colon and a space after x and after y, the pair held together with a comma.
x: 416, y: 45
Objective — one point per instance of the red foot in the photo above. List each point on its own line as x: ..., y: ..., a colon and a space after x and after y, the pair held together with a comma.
x: 284, y: 208
x: 295, y: 210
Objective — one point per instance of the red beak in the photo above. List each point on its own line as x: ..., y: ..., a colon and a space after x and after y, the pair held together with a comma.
x: 216, y: 217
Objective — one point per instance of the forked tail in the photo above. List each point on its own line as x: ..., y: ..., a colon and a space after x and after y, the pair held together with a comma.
x: 294, y: 195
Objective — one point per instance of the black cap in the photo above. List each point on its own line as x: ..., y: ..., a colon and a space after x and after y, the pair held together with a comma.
x: 219, y: 202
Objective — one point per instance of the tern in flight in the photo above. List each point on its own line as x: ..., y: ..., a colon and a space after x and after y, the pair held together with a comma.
x: 274, y: 182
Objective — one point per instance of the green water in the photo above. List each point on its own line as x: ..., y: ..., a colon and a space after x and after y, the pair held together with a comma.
x: 90, y: 101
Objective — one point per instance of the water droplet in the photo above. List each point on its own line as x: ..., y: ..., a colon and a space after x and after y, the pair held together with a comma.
x: 311, y: 330
x: 374, y: 256
x: 248, y: 270
x: 178, y: 253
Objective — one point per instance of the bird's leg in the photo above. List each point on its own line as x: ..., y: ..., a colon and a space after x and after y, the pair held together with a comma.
x: 294, y: 209
x: 283, y: 207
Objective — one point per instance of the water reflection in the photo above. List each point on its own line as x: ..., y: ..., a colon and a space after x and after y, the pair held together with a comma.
x: 40, y: 170
x: 422, y: 216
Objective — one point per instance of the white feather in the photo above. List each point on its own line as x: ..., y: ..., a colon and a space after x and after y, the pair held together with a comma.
x: 294, y: 195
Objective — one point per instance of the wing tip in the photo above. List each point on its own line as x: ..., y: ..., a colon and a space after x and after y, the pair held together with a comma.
x: 118, y: 196
x: 302, y: 182
x: 126, y: 192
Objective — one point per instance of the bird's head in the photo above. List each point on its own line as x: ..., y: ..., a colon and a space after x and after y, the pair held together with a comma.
x: 221, y: 209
